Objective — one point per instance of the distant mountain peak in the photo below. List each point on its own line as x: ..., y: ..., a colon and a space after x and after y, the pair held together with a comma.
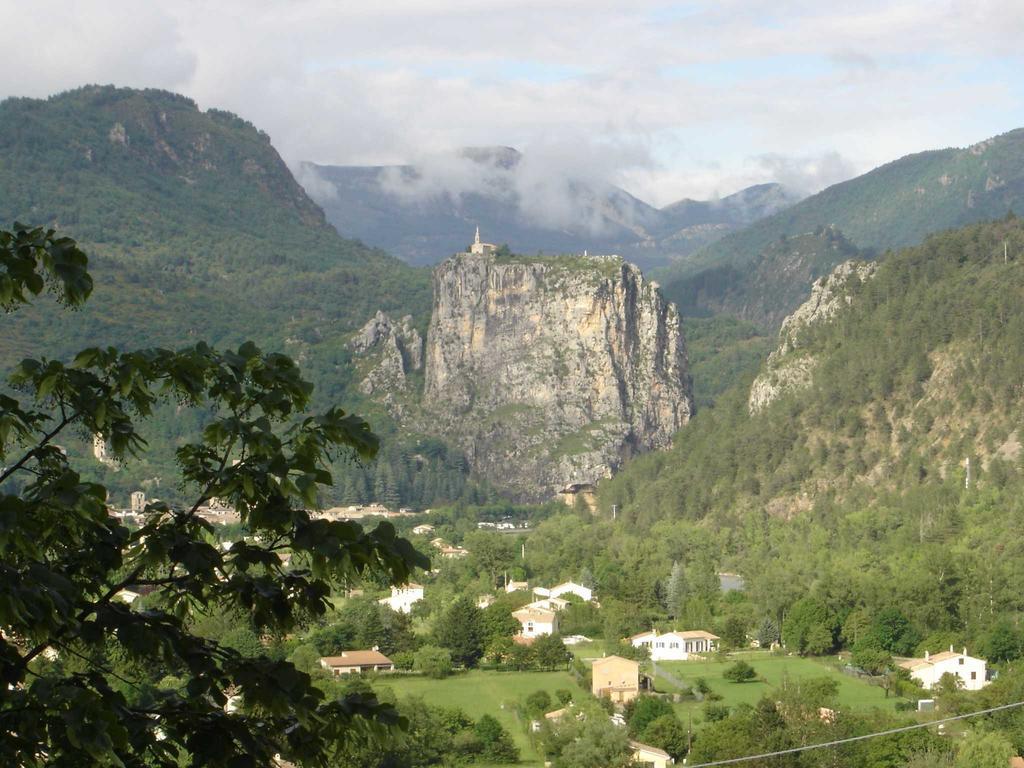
x: 421, y: 212
x: 499, y: 157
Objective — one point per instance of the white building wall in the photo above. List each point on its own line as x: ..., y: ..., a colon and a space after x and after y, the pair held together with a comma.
x: 971, y: 672
x: 402, y: 599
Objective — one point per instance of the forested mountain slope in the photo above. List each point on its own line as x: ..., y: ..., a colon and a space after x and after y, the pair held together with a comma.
x: 895, y: 205
x: 920, y: 371
x: 837, y: 486
x: 196, y: 230
x: 193, y: 221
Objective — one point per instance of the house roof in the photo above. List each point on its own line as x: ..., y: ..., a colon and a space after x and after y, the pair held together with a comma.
x: 558, y: 713
x: 638, y: 635
x: 356, y: 659
x: 606, y: 659
x: 932, y: 660
x: 636, y: 746
x: 535, y: 614
x: 695, y: 634
x: 569, y: 584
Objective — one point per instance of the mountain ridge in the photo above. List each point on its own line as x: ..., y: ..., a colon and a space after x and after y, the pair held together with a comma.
x: 895, y: 205
x: 425, y: 213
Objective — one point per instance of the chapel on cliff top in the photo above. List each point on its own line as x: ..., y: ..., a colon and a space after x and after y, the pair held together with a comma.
x: 481, y: 248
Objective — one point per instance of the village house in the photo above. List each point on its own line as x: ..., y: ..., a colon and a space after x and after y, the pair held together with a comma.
x: 575, y: 639
x: 357, y: 661
x: 484, y: 601
x: 536, y: 622
x: 403, y: 597
x: 675, y: 646
x: 138, y: 502
x: 453, y: 553
x: 516, y: 586
x: 572, y: 588
x: 615, y: 677
x: 650, y: 757
x: 549, y: 604
x: 930, y: 669
x: 423, y: 529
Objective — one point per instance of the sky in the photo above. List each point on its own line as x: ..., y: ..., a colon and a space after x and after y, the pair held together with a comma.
x: 668, y: 100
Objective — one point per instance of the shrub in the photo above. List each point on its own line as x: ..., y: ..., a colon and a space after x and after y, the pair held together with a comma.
x: 537, y: 703
x: 433, y: 661
x: 740, y: 672
x: 715, y: 712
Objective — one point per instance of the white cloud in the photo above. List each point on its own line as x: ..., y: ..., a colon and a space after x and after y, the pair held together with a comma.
x: 671, y: 103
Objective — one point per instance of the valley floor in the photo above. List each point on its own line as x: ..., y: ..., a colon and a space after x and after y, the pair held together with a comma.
x: 483, y: 692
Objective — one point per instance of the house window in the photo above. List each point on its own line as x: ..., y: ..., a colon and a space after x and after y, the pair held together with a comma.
x: 661, y: 645
x: 960, y: 661
x: 529, y: 626
x: 974, y: 675
x: 673, y: 645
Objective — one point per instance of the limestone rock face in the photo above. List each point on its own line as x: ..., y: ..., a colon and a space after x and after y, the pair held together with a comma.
x: 393, y: 350
x: 551, y: 372
x: 789, y: 367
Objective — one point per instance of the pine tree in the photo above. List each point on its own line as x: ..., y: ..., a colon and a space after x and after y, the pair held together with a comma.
x: 460, y: 630
x: 767, y: 633
x: 586, y: 577
x: 676, y: 591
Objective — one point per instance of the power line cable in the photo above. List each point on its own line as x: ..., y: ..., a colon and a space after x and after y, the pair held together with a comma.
x: 837, y: 742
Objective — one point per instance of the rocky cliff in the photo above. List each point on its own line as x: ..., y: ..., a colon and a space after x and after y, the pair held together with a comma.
x: 790, y: 367
x: 552, y: 371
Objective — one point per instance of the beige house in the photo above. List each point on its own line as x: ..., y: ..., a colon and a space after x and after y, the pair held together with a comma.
x: 536, y: 621
x: 357, y: 661
x: 650, y: 757
x: 516, y: 586
x: 615, y: 677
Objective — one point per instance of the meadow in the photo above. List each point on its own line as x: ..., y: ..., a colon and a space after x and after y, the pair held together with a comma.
x: 486, y: 692
x: 771, y: 670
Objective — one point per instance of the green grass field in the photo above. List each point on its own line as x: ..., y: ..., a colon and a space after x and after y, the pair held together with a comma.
x: 853, y: 693
x: 485, y: 692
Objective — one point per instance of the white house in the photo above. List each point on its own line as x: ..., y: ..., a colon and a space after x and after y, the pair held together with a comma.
x: 402, y: 598
x: 675, y: 646
x: 931, y: 668
x: 484, y: 601
x: 423, y: 529
x: 516, y: 586
x: 572, y: 588
x: 536, y: 622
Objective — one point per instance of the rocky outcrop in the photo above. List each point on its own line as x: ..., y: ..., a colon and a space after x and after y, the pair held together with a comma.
x: 389, y: 352
x: 791, y: 367
x: 548, y: 372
